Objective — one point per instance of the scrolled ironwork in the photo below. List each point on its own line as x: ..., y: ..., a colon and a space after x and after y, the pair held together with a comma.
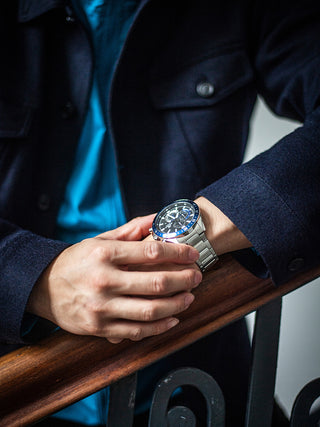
x: 300, y: 415
x: 180, y: 416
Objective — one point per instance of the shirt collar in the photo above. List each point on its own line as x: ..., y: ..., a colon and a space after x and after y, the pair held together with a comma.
x: 30, y: 9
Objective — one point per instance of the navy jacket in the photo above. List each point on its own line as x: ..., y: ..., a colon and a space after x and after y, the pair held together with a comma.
x: 171, y: 139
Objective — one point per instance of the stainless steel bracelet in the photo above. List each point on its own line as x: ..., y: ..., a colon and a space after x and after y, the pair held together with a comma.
x: 199, y: 241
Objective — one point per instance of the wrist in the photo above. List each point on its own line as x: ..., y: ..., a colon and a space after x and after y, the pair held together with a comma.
x: 221, y: 232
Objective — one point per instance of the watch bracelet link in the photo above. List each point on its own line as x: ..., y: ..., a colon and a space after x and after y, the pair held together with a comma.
x: 198, y: 240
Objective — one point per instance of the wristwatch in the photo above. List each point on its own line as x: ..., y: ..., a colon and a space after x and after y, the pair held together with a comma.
x: 180, y: 222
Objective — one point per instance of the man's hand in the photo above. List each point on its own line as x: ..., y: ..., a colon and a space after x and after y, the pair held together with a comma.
x: 116, y: 286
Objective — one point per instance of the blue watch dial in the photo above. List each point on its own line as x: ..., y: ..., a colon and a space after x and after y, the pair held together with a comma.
x: 175, y: 219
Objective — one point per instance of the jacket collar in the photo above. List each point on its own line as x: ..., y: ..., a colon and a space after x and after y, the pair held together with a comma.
x: 30, y: 9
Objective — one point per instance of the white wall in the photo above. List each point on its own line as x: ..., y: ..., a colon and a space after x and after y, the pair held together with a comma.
x: 299, y: 351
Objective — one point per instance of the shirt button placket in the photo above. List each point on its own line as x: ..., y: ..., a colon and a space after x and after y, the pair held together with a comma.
x: 70, y: 17
x: 68, y: 110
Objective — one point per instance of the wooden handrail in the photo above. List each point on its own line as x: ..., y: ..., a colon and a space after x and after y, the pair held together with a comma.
x: 38, y: 380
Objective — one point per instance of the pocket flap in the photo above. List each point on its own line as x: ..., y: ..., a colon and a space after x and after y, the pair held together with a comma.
x: 202, y: 83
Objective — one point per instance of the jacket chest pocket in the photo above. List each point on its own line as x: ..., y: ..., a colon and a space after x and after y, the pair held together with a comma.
x: 204, y: 109
x: 200, y: 83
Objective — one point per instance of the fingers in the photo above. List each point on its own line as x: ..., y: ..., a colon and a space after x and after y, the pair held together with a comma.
x: 155, y: 283
x: 89, y: 289
x: 124, y: 253
x: 160, y: 267
x: 147, y: 310
x: 135, y: 318
x: 136, y: 229
x: 135, y: 331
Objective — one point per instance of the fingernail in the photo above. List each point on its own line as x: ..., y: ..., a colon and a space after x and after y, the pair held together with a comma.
x: 197, y: 278
x: 193, y: 254
x: 188, y: 300
x: 173, y: 322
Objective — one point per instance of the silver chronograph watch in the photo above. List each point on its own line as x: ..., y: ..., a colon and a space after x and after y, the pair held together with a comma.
x: 180, y: 222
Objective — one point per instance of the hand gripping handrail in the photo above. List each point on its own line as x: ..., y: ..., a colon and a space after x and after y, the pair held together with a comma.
x: 41, y: 379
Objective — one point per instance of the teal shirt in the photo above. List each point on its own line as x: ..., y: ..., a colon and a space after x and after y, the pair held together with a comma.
x: 92, y: 203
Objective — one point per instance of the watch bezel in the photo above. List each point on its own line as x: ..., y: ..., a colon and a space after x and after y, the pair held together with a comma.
x: 184, y: 230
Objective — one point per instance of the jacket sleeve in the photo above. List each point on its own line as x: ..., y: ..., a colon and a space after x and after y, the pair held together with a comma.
x: 24, y: 256
x: 275, y: 198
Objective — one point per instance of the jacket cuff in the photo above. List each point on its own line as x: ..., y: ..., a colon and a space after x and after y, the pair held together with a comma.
x: 266, y: 220
x: 23, y: 259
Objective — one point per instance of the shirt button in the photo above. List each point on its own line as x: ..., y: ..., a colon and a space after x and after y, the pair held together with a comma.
x: 205, y: 89
x: 70, y: 19
x: 296, y: 264
x: 44, y: 202
x: 68, y: 110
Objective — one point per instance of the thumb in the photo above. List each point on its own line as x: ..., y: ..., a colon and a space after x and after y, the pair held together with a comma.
x: 136, y: 229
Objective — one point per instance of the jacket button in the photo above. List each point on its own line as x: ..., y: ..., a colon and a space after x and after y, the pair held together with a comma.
x: 205, y: 89
x: 43, y: 202
x: 296, y: 264
x: 68, y: 110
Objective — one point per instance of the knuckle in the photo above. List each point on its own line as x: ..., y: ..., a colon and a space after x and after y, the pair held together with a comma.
x: 104, y: 252
x: 181, y: 250
x: 99, y: 281
x: 159, y: 284
x: 86, y: 242
x: 190, y: 278
x: 95, y: 312
x: 136, y: 333
x: 93, y: 330
x: 108, y: 333
x: 152, y: 250
x: 148, y: 313
x: 93, y: 327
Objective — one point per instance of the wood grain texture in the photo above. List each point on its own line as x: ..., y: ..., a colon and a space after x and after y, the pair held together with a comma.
x: 38, y: 380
